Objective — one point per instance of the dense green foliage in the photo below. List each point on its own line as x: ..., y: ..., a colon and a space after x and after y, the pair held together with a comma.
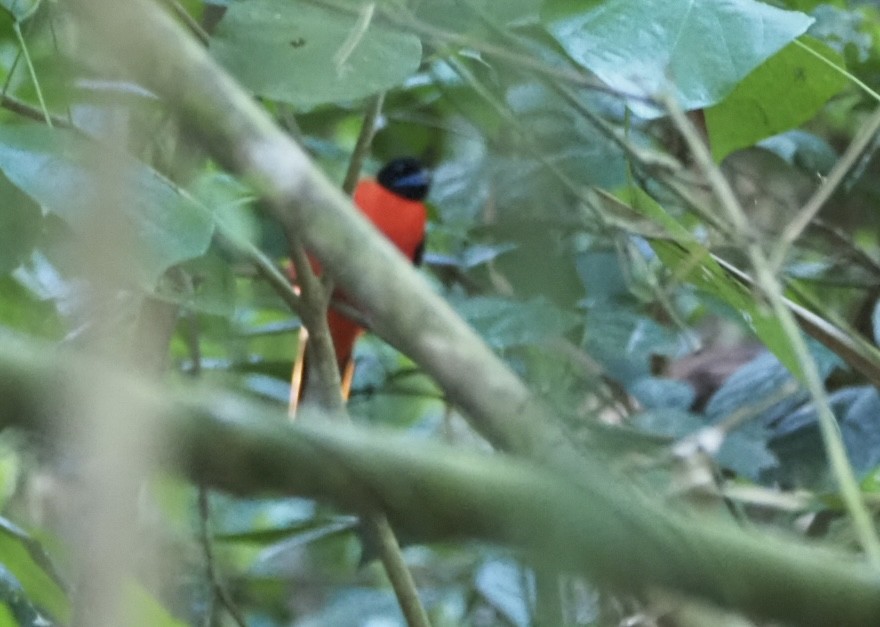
x: 574, y: 224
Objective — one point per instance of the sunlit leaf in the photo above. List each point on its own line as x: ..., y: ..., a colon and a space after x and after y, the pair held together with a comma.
x: 697, y: 49
x: 783, y: 92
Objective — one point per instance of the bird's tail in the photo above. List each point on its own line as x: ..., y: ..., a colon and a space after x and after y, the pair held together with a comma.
x: 344, y: 334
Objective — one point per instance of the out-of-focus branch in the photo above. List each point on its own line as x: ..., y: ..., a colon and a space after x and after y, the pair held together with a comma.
x: 437, y: 493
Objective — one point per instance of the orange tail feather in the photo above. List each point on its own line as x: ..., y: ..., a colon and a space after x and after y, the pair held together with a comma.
x: 344, y: 334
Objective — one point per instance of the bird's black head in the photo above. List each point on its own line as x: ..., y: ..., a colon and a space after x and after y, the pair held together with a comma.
x: 406, y: 177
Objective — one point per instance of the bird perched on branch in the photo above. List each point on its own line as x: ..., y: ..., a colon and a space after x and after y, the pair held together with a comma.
x: 393, y: 202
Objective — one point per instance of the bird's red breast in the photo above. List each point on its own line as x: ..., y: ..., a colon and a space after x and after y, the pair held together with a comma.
x: 399, y: 219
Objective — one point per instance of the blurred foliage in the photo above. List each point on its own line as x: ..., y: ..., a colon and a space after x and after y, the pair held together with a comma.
x: 604, y: 321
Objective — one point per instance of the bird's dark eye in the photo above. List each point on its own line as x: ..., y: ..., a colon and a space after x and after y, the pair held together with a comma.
x: 407, y: 177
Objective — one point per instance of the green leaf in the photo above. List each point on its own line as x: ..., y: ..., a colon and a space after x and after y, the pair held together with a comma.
x: 509, y: 324
x: 747, y: 454
x: 210, y: 287
x: 51, y: 166
x: 806, y: 151
x: 16, y: 609
x: 310, y: 55
x: 503, y: 583
x: 20, y: 10
x: 782, y: 93
x: 471, y: 16
x: 861, y: 430
x: 699, y: 49
x: 20, y: 222
x: 7, y: 619
x: 660, y: 393
x: 623, y: 341
x: 40, y: 588
x: 667, y: 422
x: 145, y: 611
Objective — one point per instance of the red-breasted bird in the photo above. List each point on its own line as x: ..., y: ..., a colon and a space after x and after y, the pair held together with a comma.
x: 393, y: 202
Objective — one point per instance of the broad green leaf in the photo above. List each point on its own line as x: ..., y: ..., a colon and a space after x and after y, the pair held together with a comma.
x: 7, y: 619
x: 747, y: 454
x: 660, y: 393
x: 20, y: 222
x: 696, y: 49
x: 782, y: 93
x: 759, y: 385
x: 797, y: 441
x: 51, y: 166
x: 667, y: 422
x: 309, y: 55
x: 623, y: 341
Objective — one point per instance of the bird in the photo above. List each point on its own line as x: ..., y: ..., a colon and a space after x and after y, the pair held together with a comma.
x: 394, y: 203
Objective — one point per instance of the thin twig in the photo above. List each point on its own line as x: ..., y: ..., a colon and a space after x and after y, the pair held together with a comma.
x: 218, y: 590
x: 314, y: 300
x: 364, y: 140
x: 355, y: 36
x: 33, y: 74
x: 33, y: 113
x: 277, y: 281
